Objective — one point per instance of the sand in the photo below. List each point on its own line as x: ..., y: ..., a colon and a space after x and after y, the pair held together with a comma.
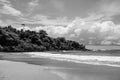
x: 21, y: 71
x: 28, y: 68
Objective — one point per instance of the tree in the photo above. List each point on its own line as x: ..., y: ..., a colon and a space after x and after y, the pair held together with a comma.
x: 12, y: 39
x: 42, y: 34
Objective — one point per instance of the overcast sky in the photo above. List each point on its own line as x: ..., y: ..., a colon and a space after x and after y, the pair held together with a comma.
x: 68, y: 18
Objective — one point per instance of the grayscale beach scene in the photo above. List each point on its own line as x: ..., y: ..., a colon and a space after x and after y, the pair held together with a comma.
x: 59, y: 39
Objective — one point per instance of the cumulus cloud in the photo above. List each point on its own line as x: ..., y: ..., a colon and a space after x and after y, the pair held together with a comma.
x: 54, y: 31
x: 94, y: 31
x: 86, y: 30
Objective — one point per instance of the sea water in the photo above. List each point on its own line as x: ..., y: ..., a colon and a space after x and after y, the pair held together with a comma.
x: 103, y: 47
x: 113, y: 61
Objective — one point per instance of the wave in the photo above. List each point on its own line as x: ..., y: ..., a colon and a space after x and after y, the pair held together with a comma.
x: 113, y: 61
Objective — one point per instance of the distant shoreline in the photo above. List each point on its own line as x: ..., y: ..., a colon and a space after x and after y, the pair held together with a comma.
x: 102, y: 45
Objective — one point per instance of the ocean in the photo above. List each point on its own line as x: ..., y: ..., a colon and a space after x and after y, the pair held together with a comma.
x: 66, y: 65
x: 113, y: 61
x: 103, y: 47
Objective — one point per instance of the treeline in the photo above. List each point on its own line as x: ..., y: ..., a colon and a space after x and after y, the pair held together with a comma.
x: 13, y: 40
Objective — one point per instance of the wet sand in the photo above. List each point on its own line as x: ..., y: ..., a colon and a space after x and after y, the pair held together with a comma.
x: 47, y: 69
x: 21, y: 71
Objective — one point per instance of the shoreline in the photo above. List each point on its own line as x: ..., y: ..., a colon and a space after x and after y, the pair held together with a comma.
x: 47, y: 69
x: 112, y: 61
x: 34, y: 57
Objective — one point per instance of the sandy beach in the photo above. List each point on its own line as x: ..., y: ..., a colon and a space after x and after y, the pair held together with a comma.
x: 24, y: 67
x: 10, y: 70
x: 59, y: 39
x: 21, y: 71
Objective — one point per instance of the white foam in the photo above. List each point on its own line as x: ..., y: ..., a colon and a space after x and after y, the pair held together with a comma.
x: 88, y: 59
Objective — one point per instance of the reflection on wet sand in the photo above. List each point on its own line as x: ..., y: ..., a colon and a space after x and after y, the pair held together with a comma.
x: 76, y: 75
x: 23, y: 71
x: 87, y: 73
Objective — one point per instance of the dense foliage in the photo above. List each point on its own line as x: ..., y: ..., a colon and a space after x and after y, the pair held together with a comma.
x: 13, y: 40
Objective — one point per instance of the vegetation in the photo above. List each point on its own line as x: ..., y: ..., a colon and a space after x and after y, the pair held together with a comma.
x: 13, y: 40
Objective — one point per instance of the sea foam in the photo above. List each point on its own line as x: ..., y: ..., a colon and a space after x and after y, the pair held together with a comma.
x: 87, y: 59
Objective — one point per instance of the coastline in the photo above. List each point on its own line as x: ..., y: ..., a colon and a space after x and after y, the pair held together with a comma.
x: 29, y: 68
x: 34, y: 57
x: 112, y: 61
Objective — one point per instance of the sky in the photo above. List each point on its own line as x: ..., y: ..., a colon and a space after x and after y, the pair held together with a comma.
x: 86, y: 21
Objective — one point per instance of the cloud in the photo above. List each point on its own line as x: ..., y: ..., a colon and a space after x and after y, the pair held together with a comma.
x: 95, y: 29
x: 4, y: 1
x: 61, y: 21
x: 7, y: 9
x: 53, y: 30
x: 46, y: 20
x: 40, y: 17
x: 86, y: 30
x: 32, y: 5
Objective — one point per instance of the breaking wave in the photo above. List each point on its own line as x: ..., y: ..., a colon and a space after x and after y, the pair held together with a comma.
x: 113, y: 61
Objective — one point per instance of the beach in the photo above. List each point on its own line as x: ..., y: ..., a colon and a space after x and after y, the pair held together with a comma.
x: 27, y: 67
